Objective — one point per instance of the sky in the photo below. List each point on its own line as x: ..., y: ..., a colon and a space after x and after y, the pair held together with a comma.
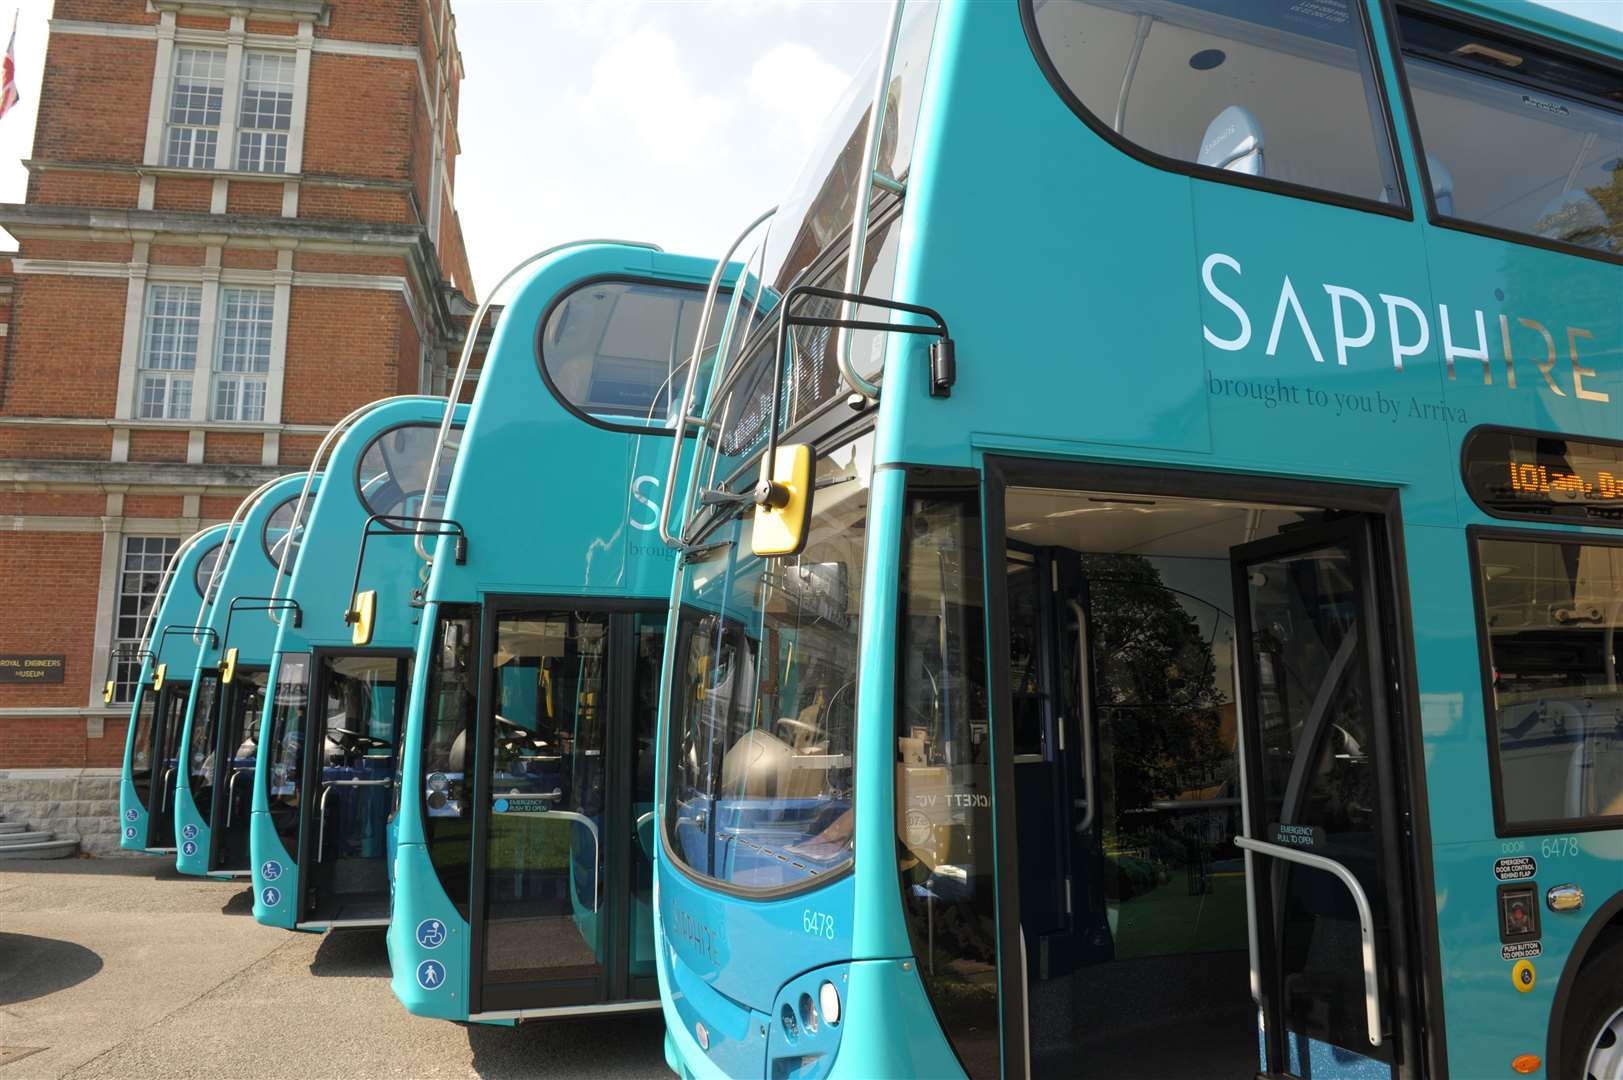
x: 671, y: 121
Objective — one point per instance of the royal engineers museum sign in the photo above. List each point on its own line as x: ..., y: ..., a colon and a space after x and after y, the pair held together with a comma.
x: 32, y: 669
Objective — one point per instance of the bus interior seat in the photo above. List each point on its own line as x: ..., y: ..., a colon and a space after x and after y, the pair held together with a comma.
x: 1442, y: 186
x: 1233, y: 142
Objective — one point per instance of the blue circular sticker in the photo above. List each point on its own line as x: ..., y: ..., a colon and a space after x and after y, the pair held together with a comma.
x: 431, y: 933
x: 271, y: 896
x: 129, y: 833
x: 130, y: 815
x: 189, y: 832
x: 271, y: 870
x: 500, y: 807
x: 430, y: 974
x: 189, y: 848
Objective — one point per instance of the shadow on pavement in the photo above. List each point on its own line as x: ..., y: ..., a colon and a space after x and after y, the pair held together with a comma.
x: 613, y: 1045
x: 352, y: 953
x: 240, y: 904
x: 32, y: 967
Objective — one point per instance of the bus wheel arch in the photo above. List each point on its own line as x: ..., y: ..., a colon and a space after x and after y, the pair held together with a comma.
x: 1602, y: 935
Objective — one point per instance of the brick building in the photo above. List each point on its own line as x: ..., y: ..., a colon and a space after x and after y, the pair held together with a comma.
x: 239, y: 226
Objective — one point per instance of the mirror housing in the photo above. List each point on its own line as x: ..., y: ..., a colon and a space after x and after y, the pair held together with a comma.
x: 157, y: 676
x: 228, y: 666
x: 783, y: 503
x: 362, y: 617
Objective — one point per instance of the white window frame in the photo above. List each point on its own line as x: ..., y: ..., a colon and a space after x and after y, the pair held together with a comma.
x: 263, y: 135
x: 154, y: 554
x: 170, y: 340
x: 206, y: 98
x: 244, y: 342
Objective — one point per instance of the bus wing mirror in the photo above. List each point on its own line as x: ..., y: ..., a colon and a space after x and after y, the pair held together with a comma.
x: 107, y: 693
x: 783, y: 503
x: 362, y: 616
x: 228, y: 666
x: 157, y: 676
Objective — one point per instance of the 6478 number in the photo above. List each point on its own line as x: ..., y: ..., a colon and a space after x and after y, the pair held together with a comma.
x: 817, y: 923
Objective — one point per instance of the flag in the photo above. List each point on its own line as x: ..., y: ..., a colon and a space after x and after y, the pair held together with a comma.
x: 8, y: 71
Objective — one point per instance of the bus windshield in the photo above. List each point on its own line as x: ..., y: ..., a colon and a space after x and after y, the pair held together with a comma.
x: 763, y: 714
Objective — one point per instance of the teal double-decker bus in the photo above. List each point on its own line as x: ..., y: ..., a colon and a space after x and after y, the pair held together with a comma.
x: 219, y: 737
x: 157, y: 700
x: 523, y: 873
x: 1150, y: 596
x: 323, y: 806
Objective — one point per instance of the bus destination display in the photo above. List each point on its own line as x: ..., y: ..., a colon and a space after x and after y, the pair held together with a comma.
x: 1546, y: 477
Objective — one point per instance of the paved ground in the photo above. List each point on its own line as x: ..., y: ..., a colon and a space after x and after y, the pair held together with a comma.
x: 117, y: 968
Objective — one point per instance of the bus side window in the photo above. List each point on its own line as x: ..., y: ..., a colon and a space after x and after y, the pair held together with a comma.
x: 1476, y: 97
x: 1281, y: 91
x: 1552, y: 612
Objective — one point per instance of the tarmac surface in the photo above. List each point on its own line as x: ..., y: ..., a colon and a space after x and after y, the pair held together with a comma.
x: 124, y: 968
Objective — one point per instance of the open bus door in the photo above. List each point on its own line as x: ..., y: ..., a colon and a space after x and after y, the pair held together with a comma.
x: 168, y: 718
x: 235, y: 742
x: 562, y: 854
x: 1321, y: 838
x: 351, y: 745
x: 1205, y: 756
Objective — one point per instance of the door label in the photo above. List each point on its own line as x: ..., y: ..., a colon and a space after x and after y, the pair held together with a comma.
x: 1515, y: 868
x: 271, y: 870
x: 1303, y: 836
x: 1521, y: 950
x: 522, y: 806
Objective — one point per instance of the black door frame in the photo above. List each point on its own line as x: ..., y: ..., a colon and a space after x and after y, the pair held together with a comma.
x: 315, y: 723
x: 1416, y: 973
x: 225, y: 701
x: 172, y: 690
x: 618, y: 826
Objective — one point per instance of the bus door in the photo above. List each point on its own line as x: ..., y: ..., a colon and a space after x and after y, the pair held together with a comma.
x: 562, y: 849
x: 169, y: 720
x: 352, y: 745
x: 234, y: 746
x: 1321, y: 843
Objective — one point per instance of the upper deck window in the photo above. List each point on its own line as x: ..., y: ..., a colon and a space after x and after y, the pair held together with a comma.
x: 393, y: 470
x: 280, y: 531
x: 1282, y: 92
x: 619, y: 348
x: 1517, y: 138
x: 205, y: 569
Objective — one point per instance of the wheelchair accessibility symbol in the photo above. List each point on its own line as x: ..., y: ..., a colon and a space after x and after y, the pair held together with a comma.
x: 190, y: 833
x: 271, y: 896
x: 430, y: 974
x: 129, y: 815
x: 271, y: 870
x: 189, y: 848
x: 431, y: 933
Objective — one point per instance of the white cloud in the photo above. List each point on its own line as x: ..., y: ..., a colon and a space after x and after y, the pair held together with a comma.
x: 796, y: 81
x: 639, y: 83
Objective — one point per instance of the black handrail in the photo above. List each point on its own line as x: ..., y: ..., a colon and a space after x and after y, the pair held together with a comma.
x: 447, y: 527
x: 943, y: 365
x: 193, y: 630
x: 263, y: 603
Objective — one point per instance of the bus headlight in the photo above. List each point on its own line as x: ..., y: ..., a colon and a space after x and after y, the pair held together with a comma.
x: 828, y: 1000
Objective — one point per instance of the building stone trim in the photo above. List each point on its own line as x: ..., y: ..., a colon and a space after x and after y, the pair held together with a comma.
x: 142, y: 474
x: 128, y: 425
